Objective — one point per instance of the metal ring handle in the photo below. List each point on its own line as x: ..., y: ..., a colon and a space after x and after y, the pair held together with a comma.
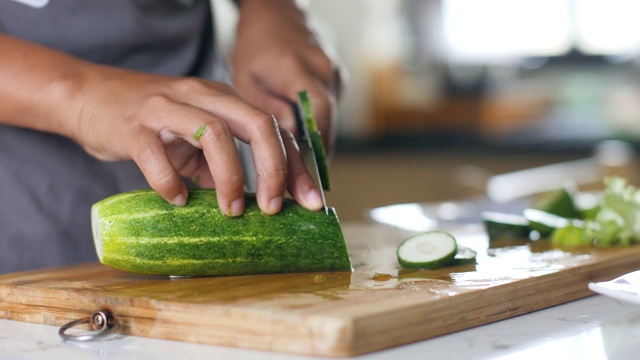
x: 101, y: 321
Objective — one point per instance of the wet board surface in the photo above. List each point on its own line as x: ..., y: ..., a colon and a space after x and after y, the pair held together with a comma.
x: 331, y: 314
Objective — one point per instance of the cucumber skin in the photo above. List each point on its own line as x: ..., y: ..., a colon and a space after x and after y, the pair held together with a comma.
x: 505, y: 226
x: 158, y: 238
x: 316, y: 139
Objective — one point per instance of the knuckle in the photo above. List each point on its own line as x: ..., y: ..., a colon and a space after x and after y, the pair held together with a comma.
x: 287, y: 136
x: 235, y: 182
x: 189, y: 85
x: 152, y: 102
x: 142, y: 152
x: 216, y: 131
x: 322, y: 102
x: 278, y: 172
x: 324, y: 67
x: 165, y: 182
x: 264, y: 121
x: 290, y: 59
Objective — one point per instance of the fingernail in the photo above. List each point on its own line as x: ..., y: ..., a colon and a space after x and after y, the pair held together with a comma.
x: 236, y: 207
x: 314, y: 199
x: 179, y: 200
x: 275, y: 205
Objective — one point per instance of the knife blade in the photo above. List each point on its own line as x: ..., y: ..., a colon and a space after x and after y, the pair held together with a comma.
x: 307, y: 148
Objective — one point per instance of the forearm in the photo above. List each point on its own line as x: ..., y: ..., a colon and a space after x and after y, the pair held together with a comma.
x: 40, y: 87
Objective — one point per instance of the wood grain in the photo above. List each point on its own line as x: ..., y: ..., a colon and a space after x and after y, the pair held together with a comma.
x: 330, y: 314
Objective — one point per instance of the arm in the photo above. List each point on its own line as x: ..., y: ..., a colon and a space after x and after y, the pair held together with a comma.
x: 276, y: 55
x: 116, y: 114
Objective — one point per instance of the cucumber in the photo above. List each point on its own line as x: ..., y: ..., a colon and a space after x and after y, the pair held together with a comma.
x: 464, y: 256
x: 559, y: 202
x: 427, y: 250
x: 140, y: 232
x: 316, y: 139
x: 502, y: 226
x: 544, y: 222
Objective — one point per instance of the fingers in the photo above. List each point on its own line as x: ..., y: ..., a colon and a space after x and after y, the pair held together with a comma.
x: 201, y: 130
x: 216, y: 139
x: 149, y: 154
x: 223, y: 159
x: 271, y: 163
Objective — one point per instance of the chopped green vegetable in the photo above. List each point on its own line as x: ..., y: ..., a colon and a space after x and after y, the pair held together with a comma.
x: 559, y: 202
x: 200, y: 132
x: 544, y: 222
x: 618, y: 220
x: 571, y: 237
x: 316, y: 139
x: 319, y: 279
x: 502, y: 226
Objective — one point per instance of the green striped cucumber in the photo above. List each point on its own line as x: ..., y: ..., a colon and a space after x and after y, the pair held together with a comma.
x: 140, y: 232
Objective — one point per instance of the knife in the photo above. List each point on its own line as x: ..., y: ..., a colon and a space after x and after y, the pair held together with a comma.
x: 311, y: 146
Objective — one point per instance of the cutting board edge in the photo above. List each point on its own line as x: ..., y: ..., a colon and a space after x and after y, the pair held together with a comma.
x: 320, y: 335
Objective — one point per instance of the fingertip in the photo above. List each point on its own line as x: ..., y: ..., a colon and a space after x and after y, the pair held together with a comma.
x: 313, y: 200
x: 275, y: 205
x: 180, y: 200
x: 235, y: 208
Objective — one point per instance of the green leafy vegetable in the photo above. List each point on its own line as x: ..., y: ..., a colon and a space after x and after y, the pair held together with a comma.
x: 618, y: 219
x: 616, y: 223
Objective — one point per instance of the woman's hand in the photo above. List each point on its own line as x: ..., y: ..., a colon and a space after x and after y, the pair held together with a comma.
x: 170, y: 127
x: 276, y: 56
x: 174, y: 127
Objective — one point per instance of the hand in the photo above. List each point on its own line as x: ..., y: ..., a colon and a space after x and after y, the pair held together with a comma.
x: 276, y: 56
x: 153, y: 120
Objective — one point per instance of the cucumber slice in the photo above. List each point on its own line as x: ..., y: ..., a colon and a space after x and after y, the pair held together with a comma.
x: 464, y: 256
x: 428, y: 250
x: 316, y: 139
x: 501, y: 226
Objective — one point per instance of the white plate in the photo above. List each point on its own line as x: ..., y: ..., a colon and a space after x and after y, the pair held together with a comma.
x: 625, y: 288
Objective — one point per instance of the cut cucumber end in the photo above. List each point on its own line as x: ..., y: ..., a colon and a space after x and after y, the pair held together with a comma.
x: 427, y: 250
x: 559, y: 202
x: 544, y: 222
x: 97, y: 234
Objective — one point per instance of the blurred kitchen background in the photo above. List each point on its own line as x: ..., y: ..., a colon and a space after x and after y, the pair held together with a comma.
x: 444, y: 94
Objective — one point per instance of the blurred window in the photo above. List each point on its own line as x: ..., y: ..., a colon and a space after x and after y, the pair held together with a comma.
x: 486, y: 31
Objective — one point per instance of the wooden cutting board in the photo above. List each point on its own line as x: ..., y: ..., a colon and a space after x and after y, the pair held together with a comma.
x: 333, y: 314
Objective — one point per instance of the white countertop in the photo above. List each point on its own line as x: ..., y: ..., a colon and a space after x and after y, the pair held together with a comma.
x: 597, y: 327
